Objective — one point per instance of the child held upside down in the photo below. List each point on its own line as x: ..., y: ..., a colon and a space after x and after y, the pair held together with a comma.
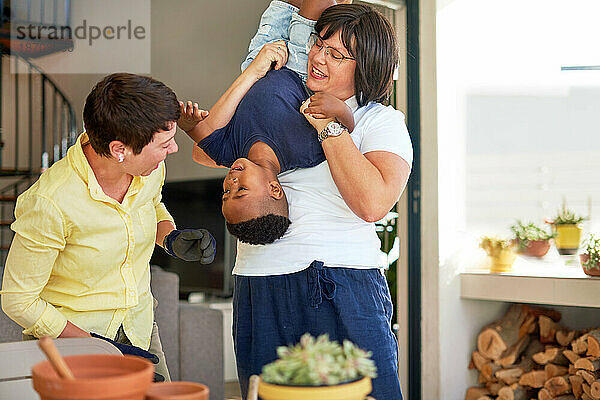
x: 266, y: 134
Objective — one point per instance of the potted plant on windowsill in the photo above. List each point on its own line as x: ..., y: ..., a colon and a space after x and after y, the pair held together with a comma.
x: 531, y: 239
x: 501, y: 252
x: 318, y: 369
x: 590, y: 258
x: 568, y: 226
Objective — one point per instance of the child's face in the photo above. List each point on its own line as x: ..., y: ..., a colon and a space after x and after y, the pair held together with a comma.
x: 245, y: 189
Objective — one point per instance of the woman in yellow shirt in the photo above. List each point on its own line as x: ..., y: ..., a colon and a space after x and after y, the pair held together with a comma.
x: 85, y: 231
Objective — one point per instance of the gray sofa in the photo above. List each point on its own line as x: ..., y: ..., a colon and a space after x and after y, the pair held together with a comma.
x: 191, y: 334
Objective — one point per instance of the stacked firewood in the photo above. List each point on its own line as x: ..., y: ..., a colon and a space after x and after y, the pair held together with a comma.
x: 529, y: 355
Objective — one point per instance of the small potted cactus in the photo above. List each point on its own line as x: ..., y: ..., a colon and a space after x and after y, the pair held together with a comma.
x: 318, y: 369
x: 531, y: 239
x: 567, y: 226
x: 590, y: 258
x: 501, y: 252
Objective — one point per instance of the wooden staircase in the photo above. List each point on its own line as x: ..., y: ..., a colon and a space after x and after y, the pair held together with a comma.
x: 37, y: 121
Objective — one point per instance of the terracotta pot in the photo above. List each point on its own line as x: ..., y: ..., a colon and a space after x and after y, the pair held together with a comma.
x: 537, y: 248
x: 591, y: 272
x: 568, y: 238
x: 97, y: 377
x: 177, y: 391
x: 503, y: 260
x: 356, y: 390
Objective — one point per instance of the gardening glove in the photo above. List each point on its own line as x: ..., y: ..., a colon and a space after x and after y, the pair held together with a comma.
x: 129, y: 349
x: 191, y: 245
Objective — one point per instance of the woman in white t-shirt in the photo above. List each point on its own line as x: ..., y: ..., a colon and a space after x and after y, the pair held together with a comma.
x: 323, y: 275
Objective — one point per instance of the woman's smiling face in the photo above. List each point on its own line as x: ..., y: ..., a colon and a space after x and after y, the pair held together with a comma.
x: 328, y: 75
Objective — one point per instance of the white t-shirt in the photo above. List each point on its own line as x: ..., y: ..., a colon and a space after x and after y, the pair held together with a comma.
x: 323, y: 227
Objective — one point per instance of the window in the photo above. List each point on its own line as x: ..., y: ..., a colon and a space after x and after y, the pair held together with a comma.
x: 518, y: 135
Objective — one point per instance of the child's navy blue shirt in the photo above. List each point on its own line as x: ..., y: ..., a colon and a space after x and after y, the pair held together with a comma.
x: 269, y: 113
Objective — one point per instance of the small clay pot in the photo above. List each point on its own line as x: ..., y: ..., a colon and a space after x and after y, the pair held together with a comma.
x: 177, y: 391
x: 591, y: 272
x: 537, y: 248
x: 97, y: 377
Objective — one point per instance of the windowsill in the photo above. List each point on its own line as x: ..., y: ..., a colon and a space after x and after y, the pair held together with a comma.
x: 551, y: 281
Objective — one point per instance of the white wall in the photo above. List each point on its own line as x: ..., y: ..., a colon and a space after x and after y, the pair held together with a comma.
x: 196, y: 49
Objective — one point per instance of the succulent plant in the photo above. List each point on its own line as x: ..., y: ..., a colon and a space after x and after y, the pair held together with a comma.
x: 316, y: 362
x: 493, y: 245
x: 565, y: 216
x: 525, y: 233
x: 592, y: 249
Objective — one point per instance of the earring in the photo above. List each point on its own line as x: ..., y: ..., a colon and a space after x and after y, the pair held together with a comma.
x: 121, y: 158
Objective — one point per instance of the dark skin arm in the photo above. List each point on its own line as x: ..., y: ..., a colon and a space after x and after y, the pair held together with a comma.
x: 312, y: 9
x: 204, y: 123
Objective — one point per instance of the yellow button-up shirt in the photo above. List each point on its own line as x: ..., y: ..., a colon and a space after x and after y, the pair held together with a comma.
x: 81, y: 256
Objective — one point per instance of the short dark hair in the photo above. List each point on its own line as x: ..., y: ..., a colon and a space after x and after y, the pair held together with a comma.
x: 261, y: 230
x: 370, y: 39
x: 129, y: 108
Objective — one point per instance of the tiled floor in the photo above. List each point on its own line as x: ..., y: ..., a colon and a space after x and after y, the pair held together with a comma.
x: 232, y: 391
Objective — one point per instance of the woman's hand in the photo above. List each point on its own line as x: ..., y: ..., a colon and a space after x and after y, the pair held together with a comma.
x: 271, y: 56
x: 191, y: 115
x: 71, y: 330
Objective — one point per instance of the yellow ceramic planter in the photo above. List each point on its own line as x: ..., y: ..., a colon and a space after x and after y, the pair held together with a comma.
x: 568, y: 238
x: 503, y: 260
x: 348, y: 391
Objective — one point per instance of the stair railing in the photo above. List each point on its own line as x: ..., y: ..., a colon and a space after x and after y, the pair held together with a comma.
x: 49, y: 118
x: 37, y: 132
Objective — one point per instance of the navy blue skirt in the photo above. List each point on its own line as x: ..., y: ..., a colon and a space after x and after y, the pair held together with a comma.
x: 346, y: 303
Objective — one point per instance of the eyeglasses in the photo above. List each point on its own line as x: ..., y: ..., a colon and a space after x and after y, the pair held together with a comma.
x: 333, y: 55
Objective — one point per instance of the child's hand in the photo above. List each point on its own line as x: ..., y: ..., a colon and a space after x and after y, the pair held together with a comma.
x: 319, y: 123
x: 323, y: 105
x: 272, y: 55
x: 190, y: 115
